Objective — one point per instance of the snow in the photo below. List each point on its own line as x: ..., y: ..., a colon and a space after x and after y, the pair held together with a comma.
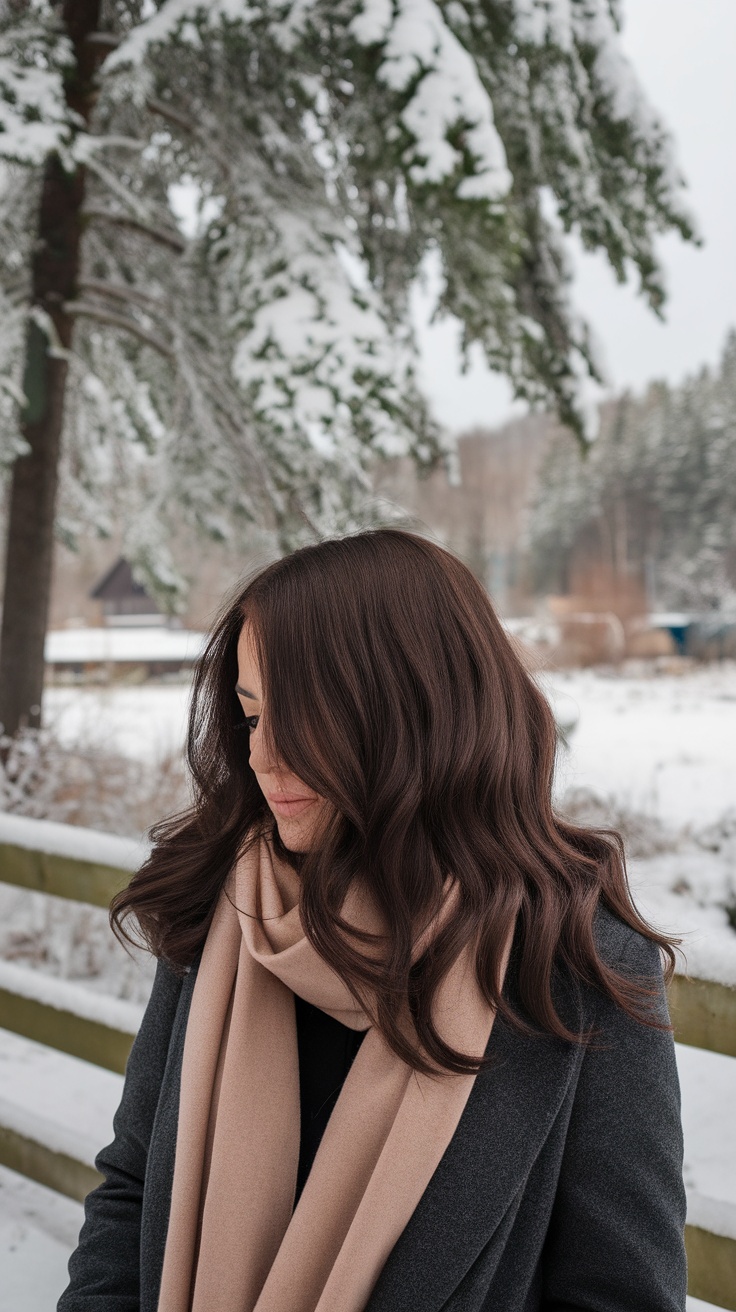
x: 64, y: 996
x: 420, y: 51
x: 313, y: 334
x: 175, y: 18
x: 72, y: 841
x: 38, y: 1231
x: 660, y: 747
x: 47, y: 1085
x: 536, y: 23
x: 82, y: 646
x: 685, y: 892
x: 146, y: 723
x: 566, y: 25
x: 34, y: 117
x: 708, y: 1085
x: 66, y: 1140
x: 69, y: 1104
x: 710, y: 1214
x: 663, y: 744
x: 57, y: 940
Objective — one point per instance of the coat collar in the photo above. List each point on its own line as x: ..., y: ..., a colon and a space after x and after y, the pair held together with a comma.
x: 504, y: 1125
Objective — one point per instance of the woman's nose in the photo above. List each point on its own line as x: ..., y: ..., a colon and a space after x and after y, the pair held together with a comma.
x: 259, y: 757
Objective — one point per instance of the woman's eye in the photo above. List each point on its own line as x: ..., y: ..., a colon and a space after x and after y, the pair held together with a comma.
x: 252, y: 722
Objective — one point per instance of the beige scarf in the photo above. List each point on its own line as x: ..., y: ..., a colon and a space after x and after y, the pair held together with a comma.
x: 233, y: 1244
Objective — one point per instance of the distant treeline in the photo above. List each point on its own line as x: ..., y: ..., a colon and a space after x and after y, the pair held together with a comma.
x: 654, y: 500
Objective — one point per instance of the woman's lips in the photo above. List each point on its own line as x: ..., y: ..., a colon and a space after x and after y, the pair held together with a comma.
x: 288, y: 806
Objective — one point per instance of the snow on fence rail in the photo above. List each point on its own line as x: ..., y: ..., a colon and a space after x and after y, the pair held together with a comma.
x: 89, y: 867
x: 66, y: 860
x: 67, y: 1016
x: 43, y: 1150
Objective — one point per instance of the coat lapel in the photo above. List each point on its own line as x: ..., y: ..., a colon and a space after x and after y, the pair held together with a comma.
x: 504, y: 1125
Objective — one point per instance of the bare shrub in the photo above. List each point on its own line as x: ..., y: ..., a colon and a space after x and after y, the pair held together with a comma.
x: 87, y: 784
x: 100, y: 789
x: 644, y: 835
x: 70, y: 941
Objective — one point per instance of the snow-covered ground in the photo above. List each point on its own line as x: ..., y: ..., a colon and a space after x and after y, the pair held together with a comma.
x: 654, y: 754
x: 124, y: 643
x: 657, y: 755
x: 147, y: 721
x: 664, y: 744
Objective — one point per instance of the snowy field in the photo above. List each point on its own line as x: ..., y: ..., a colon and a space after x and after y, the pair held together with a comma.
x: 657, y: 753
x: 654, y: 754
x: 663, y: 744
x: 147, y: 722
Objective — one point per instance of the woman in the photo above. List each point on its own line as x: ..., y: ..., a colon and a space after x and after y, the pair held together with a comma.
x: 408, y: 1046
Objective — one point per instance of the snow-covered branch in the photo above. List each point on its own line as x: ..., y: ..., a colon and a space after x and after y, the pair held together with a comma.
x: 86, y: 310
x: 122, y: 292
x: 165, y: 236
x: 303, y: 161
x: 104, y: 40
x: 34, y: 116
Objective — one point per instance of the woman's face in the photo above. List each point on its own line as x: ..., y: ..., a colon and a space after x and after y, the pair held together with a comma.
x: 300, y: 813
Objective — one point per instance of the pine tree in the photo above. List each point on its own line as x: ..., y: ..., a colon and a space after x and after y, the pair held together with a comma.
x: 253, y: 193
x: 656, y: 496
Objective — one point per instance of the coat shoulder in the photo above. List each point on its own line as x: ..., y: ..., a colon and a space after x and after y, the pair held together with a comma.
x: 637, y: 958
x: 621, y: 946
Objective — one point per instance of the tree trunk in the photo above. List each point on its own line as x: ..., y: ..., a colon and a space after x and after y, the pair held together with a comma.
x: 32, y: 501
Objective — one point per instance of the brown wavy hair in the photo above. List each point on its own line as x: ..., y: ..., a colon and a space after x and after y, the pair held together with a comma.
x: 393, y: 691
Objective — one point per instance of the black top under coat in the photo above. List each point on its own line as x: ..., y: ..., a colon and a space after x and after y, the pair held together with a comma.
x: 327, y: 1049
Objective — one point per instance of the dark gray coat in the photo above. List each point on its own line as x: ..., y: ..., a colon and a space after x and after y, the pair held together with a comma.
x: 561, y: 1188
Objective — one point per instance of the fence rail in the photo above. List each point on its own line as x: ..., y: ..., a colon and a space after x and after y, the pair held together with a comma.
x: 703, y: 1016
x: 62, y: 876
x: 39, y: 1149
x: 67, y: 1016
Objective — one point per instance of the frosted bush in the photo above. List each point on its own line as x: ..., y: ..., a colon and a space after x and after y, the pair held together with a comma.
x: 87, y: 785
x: 81, y: 785
x: 72, y: 942
x: 644, y: 835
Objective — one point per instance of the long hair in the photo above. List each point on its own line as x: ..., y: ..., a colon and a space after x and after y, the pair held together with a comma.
x: 393, y: 692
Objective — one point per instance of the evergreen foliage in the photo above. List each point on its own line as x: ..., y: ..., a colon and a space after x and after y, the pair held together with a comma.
x: 655, y: 497
x: 263, y: 183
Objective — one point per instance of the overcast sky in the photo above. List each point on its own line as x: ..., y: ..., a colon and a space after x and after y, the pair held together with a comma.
x: 683, y: 52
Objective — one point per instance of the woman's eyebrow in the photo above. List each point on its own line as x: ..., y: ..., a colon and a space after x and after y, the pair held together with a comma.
x: 244, y: 693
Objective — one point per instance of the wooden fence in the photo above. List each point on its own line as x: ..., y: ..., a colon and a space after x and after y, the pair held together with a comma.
x: 70, y: 1019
